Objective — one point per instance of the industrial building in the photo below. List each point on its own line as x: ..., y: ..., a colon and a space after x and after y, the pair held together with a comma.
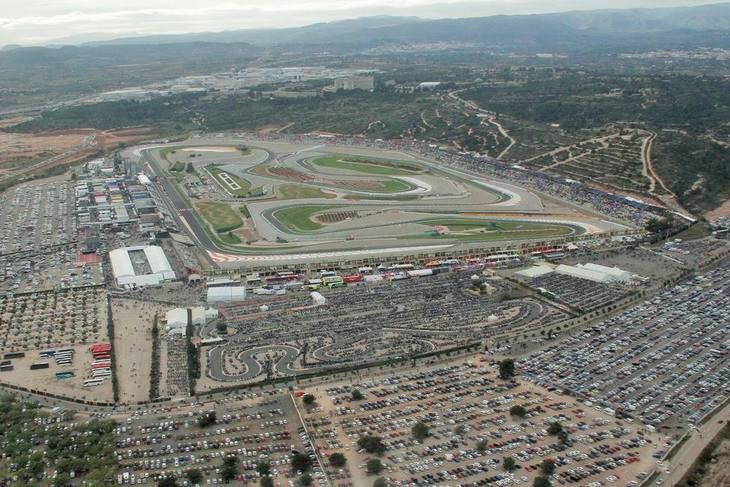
x: 138, y: 266
x: 226, y: 294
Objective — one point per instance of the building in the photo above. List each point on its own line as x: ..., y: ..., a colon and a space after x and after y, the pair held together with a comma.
x: 355, y: 83
x: 594, y: 272
x: 142, y: 265
x: 534, y: 271
x: 226, y: 294
x: 428, y: 85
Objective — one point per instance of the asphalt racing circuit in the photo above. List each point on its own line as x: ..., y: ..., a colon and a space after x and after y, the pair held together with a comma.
x: 246, y: 201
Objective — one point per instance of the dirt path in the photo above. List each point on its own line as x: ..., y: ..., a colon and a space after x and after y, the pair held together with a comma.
x: 504, y: 133
x: 648, y: 167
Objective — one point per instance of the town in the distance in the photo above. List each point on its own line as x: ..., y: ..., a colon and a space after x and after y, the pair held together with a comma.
x: 445, y: 289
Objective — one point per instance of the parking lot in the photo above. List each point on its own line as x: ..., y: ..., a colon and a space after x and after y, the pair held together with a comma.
x: 663, y: 362
x: 254, y: 428
x: 467, y: 410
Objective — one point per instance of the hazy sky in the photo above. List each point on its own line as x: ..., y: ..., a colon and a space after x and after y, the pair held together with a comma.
x: 38, y: 21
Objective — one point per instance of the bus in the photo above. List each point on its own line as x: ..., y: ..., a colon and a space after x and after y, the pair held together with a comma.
x: 333, y: 281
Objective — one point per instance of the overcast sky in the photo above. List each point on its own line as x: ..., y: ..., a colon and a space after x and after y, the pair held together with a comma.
x: 39, y: 21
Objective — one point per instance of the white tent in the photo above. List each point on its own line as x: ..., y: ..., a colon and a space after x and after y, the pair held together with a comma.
x: 226, y: 294
x: 534, y: 271
x: 317, y: 298
x: 177, y: 318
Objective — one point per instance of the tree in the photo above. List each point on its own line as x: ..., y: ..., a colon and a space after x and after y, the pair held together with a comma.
x: 518, y: 411
x: 301, y: 462
x: 563, y: 437
x: 263, y: 468
x: 460, y: 430
x: 506, y: 369
x: 547, y: 467
x: 207, y: 419
x: 374, y: 466
x: 658, y: 225
x: 554, y: 428
x: 509, y: 464
x: 372, y: 444
x: 308, y: 399
x: 267, y: 482
x: 420, y: 431
x: 167, y: 482
x: 357, y: 395
x: 194, y: 476
x: 380, y: 482
x: 229, y: 469
x: 541, y: 482
x: 481, y: 446
x: 306, y: 480
x: 338, y: 460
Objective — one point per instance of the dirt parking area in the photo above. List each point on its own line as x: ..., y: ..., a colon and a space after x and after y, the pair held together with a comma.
x: 471, y: 429
x: 133, y: 340
x: 45, y: 381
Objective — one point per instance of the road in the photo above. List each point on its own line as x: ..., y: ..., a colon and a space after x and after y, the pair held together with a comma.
x: 683, y: 460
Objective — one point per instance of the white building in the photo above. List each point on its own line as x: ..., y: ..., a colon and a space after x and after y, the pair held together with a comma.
x: 355, y: 83
x: 616, y: 273
x: 428, y: 85
x: 152, y: 266
x: 594, y: 272
x: 535, y: 271
x: 226, y: 294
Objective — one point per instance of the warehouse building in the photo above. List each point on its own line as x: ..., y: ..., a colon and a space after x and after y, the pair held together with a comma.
x: 139, y: 266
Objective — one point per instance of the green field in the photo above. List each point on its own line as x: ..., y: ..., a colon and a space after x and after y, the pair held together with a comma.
x: 368, y: 166
x: 296, y: 191
x: 299, y: 218
x: 245, y: 185
x: 481, y: 230
x: 220, y: 216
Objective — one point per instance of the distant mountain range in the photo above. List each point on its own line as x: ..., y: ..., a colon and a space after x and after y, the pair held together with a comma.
x: 558, y: 29
x: 600, y: 31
